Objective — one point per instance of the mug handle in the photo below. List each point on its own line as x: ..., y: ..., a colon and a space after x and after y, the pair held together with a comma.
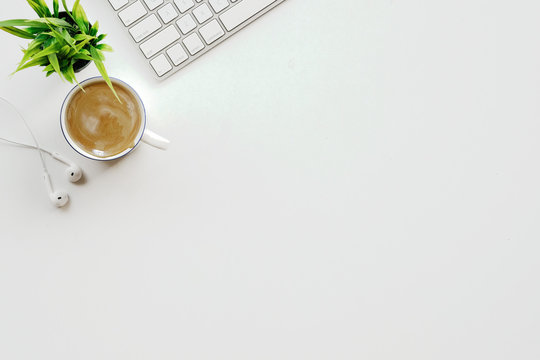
x: 151, y: 138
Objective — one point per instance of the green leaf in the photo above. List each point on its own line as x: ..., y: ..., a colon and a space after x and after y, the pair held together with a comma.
x: 36, y: 43
x: 44, y: 7
x: 104, y: 47
x: 67, y: 37
x: 23, y: 22
x: 65, y: 6
x: 83, y: 57
x: 34, y: 62
x: 72, y: 53
x: 49, y: 50
x: 43, y: 37
x: 94, y: 29
x: 80, y: 16
x: 81, y: 37
x: 63, y: 37
x: 64, y: 51
x: 18, y: 32
x: 97, y: 56
x: 28, y: 54
x: 64, y: 63
x: 48, y: 41
x: 54, y: 62
x: 67, y: 10
x: 42, y: 23
x: 69, y: 75
x: 34, y: 30
x: 80, y: 45
x: 56, y: 22
x: 55, y: 8
x: 40, y: 11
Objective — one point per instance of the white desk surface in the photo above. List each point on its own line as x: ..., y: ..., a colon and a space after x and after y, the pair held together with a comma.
x: 345, y: 181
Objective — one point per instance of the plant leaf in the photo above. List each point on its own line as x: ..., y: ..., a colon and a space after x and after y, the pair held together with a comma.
x: 104, y: 47
x: 81, y: 37
x: 80, y: 45
x: 94, y: 29
x: 42, y: 23
x: 82, y: 57
x: 54, y: 62
x: 18, y: 32
x: 63, y: 37
x: 40, y: 11
x: 67, y: 37
x: 28, y: 54
x: 64, y: 51
x: 34, y: 62
x: 69, y: 75
x: 67, y: 10
x: 97, y: 56
x: 55, y: 8
x: 53, y: 48
x: 80, y: 16
x: 44, y: 7
x: 56, y: 22
x: 65, y: 6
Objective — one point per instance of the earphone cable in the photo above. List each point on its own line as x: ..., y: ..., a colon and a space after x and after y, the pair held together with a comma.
x: 37, y: 147
x: 25, y: 145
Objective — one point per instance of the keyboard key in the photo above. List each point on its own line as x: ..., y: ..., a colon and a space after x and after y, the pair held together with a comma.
x: 117, y: 4
x: 184, y: 5
x: 193, y: 43
x: 161, y: 65
x: 219, y: 5
x: 132, y: 13
x: 145, y: 28
x: 152, y: 4
x: 177, y: 54
x: 186, y: 24
x: 243, y: 12
x: 202, y: 13
x: 160, y: 41
x: 173, y: 33
x: 167, y: 13
x: 211, y: 31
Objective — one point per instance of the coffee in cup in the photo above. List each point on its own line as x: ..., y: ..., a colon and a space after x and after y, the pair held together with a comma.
x: 97, y: 125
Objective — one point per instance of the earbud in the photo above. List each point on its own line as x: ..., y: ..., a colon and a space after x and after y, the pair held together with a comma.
x: 73, y: 172
x: 58, y: 198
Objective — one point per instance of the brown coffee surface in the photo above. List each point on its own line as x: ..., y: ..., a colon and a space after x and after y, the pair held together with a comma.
x: 99, y: 123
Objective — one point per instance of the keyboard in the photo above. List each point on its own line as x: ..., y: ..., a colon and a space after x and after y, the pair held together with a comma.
x: 172, y: 34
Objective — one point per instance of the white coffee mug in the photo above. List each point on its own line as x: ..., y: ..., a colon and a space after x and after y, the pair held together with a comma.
x: 144, y: 134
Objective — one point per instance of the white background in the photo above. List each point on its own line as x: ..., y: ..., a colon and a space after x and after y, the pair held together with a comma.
x: 355, y: 179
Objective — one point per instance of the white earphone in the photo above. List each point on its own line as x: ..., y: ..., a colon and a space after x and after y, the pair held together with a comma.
x: 74, y: 173
x: 58, y: 198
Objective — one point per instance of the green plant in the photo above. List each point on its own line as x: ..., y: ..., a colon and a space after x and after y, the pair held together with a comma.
x: 59, y: 42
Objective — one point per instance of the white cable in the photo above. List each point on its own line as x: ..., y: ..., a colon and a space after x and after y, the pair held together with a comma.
x: 37, y: 147
x: 25, y: 145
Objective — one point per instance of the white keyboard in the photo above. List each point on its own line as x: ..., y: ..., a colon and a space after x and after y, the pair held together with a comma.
x: 172, y: 34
